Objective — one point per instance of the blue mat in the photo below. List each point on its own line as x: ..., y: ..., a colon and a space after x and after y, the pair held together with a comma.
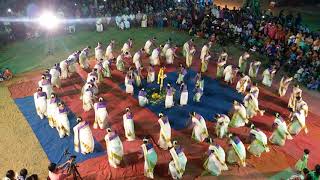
x: 48, y: 137
x: 217, y: 98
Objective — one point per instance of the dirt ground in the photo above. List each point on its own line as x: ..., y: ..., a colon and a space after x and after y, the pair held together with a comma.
x: 19, y: 146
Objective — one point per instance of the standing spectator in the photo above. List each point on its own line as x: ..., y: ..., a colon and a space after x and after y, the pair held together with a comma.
x: 138, y: 18
x: 84, y: 10
x: 144, y: 22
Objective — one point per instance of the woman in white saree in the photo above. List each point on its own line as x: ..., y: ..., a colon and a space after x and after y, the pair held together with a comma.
x: 165, y: 132
x: 114, y: 148
x: 237, y: 152
x: 83, y: 138
x: 259, y: 142
x: 128, y: 125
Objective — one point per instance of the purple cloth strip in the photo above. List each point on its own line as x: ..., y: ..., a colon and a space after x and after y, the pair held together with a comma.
x: 281, y: 119
x: 198, y: 116
x: 101, y: 105
x: 129, y: 115
x: 198, y: 77
x: 63, y: 110
x: 89, y: 89
x: 53, y: 100
x: 83, y: 125
x: 183, y: 71
x: 199, y: 90
x: 165, y: 119
x: 45, y: 82
x: 142, y: 93
x: 49, y: 76
x: 151, y: 69
x: 76, y: 55
x: 94, y: 74
x: 149, y: 146
x: 236, y: 140
x: 178, y: 149
x: 130, y: 81
x: 86, y: 50
x: 41, y: 94
x: 169, y: 91
x: 113, y: 136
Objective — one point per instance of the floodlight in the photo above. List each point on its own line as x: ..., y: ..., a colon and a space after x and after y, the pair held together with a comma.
x: 48, y: 20
x: 9, y: 10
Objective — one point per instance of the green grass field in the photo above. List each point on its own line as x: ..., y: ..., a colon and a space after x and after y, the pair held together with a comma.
x: 24, y: 56
x: 29, y: 55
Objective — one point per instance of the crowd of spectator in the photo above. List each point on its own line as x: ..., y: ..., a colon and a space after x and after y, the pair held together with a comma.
x: 22, y: 175
x: 283, y: 38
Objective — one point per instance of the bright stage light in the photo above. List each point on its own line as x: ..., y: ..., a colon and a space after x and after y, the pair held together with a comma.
x: 48, y: 20
x: 9, y: 10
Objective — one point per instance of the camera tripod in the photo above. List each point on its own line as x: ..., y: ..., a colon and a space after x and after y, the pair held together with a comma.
x: 71, y: 165
x: 74, y: 171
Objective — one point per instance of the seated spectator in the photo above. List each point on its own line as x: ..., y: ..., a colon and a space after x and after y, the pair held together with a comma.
x: 33, y: 177
x: 7, y: 74
x: 9, y: 175
x: 23, y: 174
x: 314, y: 83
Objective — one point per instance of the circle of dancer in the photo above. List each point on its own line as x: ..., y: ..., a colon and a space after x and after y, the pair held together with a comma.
x: 217, y: 159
